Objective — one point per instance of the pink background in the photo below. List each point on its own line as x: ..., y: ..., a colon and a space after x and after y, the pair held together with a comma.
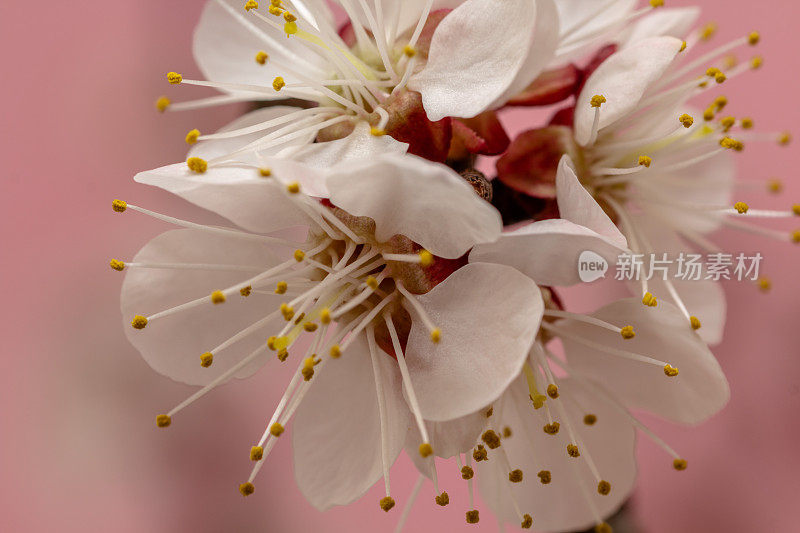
x: 79, y: 450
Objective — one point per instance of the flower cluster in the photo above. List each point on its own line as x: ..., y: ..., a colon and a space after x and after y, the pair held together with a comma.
x: 368, y: 250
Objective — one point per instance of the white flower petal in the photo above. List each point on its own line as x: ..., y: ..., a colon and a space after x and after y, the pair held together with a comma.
x: 237, y: 193
x: 336, y: 432
x: 662, y: 332
x: 577, y: 205
x: 547, y: 251
x: 488, y: 315
x: 427, y: 202
x: 172, y: 345
x: 447, y: 438
x: 623, y: 79
x: 675, y: 22
x: 584, y: 26
x: 360, y: 144
x: 477, y: 53
x: 559, y: 505
x: 703, y: 298
x: 227, y: 39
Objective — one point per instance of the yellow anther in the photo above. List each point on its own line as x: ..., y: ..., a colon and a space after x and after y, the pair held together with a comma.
x: 246, y: 291
x: 276, y: 430
x: 119, y: 206
x: 256, y: 453
x: 708, y: 114
x: 727, y: 123
x: 753, y: 38
x: 480, y: 454
x: 274, y: 10
x: 436, y: 335
x: 552, y: 391
x: 299, y: 255
x: 271, y: 343
x: 545, y: 476
x: 308, y: 368
x: 741, y: 207
x: 217, y: 297
x: 649, y: 300
x: 290, y: 28
x: 283, y: 355
x: 174, y: 78
x: 538, y: 400
x: 796, y: 210
x: 515, y: 476
x: 645, y: 160
x: 720, y: 78
x: 597, y: 100
x: 117, y: 265
x: 206, y: 360
x: 720, y: 102
x: 425, y: 449
x: 162, y: 103
x: 551, y: 429
x: 288, y: 17
x: 276, y: 3
x: 139, y: 322
x: 683, y: 46
x: 527, y: 521
x: 425, y: 258
x: 747, y: 123
x: 491, y: 439
x: 336, y: 351
x: 473, y: 516
x: 387, y: 503
x: 409, y: 51
x: 506, y: 432
x: 310, y: 327
x: 670, y: 370
x: 731, y: 144
x: 764, y: 283
x: 197, y: 164
x: 377, y: 132
x: 442, y: 499
x: 712, y: 72
x: 192, y: 136
x: 467, y: 472
x: 686, y: 120
x: 287, y: 312
x: 627, y: 332
x: 784, y: 138
x: 679, y: 464
x: 603, y: 527
x: 796, y: 236
x: 265, y: 172
x: 695, y: 322
x: 656, y: 3
x: 281, y: 287
x: 590, y: 419
x: 757, y: 62
x: 489, y: 412
x: 604, y: 487
x: 708, y: 31
x: 163, y: 421
x: 774, y: 185
x: 293, y: 187
x: 278, y: 83
x: 247, y: 489
x: 573, y: 450
x: 325, y: 316
x: 262, y: 57
x: 372, y: 283
x: 250, y: 4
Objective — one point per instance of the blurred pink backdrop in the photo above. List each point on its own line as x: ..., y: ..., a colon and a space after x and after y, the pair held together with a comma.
x: 78, y: 447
